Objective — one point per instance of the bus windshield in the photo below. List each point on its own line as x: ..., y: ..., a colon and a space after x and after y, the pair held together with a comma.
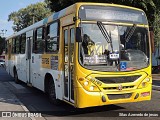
x: 126, y: 46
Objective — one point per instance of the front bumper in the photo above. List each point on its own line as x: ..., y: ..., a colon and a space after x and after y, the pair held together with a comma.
x: 89, y: 99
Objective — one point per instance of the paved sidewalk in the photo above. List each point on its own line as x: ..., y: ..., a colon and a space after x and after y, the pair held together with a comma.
x: 10, y: 103
x: 8, y: 100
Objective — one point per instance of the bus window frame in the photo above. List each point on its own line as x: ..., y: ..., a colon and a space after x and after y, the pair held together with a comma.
x: 34, y: 48
x: 14, y: 45
x: 47, y: 37
x: 17, y: 46
x: 20, y: 45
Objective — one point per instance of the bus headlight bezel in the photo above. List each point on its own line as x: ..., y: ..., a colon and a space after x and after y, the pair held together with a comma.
x: 88, y: 85
x: 145, y: 83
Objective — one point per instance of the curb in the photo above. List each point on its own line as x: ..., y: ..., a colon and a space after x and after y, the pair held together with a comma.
x: 154, y: 87
x: 25, y: 108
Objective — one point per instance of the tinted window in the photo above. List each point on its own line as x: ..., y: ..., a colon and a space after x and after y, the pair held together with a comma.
x: 23, y: 43
x: 52, y: 38
x: 39, y: 41
x: 17, y: 44
x: 13, y: 45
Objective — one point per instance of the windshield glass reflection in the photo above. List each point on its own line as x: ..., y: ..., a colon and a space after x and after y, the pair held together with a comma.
x: 98, y: 54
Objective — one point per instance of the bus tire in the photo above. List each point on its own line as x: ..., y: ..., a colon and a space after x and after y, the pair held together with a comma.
x: 52, y: 92
x: 16, y: 77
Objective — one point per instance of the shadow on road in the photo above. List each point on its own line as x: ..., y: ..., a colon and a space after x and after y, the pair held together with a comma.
x: 156, y: 82
x: 101, y: 111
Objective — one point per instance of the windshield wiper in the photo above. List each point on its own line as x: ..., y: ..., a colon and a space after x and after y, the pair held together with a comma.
x: 130, y: 32
x: 105, y: 33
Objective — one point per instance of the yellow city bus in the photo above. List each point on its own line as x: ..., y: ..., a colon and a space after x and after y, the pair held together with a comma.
x: 88, y: 54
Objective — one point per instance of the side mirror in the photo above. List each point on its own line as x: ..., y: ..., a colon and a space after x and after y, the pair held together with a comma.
x: 78, y: 34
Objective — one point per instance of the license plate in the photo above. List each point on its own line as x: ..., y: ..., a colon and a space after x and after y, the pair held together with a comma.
x: 144, y: 94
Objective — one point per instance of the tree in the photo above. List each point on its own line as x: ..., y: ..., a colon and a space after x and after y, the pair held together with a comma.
x: 2, y: 45
x: 156, y: 28
x: 27, y: 16
x: 143, y: 4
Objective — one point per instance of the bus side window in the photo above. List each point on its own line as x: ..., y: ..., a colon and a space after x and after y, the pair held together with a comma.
x: 52, y: 38
x: 13, y: 45
x: 22, y: 43
x: 17, y: 44
x: 38, y: 44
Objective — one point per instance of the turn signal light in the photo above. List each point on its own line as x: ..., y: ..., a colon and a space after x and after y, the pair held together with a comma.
x: 81, y: 79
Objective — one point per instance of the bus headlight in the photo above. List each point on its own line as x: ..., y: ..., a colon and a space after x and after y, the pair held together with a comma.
x: 91, y: 88
x: 144, y: 83
x: 88, y: 85
x: 147, y: 79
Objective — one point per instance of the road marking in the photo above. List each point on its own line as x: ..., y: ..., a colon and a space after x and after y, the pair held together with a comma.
x: 155, y: 86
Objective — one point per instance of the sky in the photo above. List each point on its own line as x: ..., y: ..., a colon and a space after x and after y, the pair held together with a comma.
x: 7, y: 7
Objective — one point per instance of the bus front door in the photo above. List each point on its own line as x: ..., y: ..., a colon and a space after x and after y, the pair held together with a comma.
x: 69, y: 37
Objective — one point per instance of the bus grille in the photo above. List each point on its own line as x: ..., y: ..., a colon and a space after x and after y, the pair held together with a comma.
x: 116, y: 88
x: 119, y: 96
x: 123, y: 79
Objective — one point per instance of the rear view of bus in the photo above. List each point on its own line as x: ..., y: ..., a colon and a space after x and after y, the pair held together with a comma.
x: 113, y: 56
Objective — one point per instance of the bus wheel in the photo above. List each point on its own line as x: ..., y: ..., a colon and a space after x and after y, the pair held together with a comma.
x: 52, y: 92
x: 16, y: 77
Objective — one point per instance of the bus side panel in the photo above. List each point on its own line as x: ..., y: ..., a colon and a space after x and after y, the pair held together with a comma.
x: 13, y: 63
x: 46, y: 65
x: 38, y: 80
x: 8, y: 56
x: 22, y: 69
x: 37, y: 74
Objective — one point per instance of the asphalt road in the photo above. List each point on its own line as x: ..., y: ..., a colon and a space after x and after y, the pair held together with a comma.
x: 37, y: 101
x: 156, y: 82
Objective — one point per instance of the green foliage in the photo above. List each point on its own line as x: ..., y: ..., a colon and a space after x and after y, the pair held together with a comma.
x: 27, y: 16
x: 156, y: 23
x: 58, y: 5
x: 156, y: 28
x: 2, y: 44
